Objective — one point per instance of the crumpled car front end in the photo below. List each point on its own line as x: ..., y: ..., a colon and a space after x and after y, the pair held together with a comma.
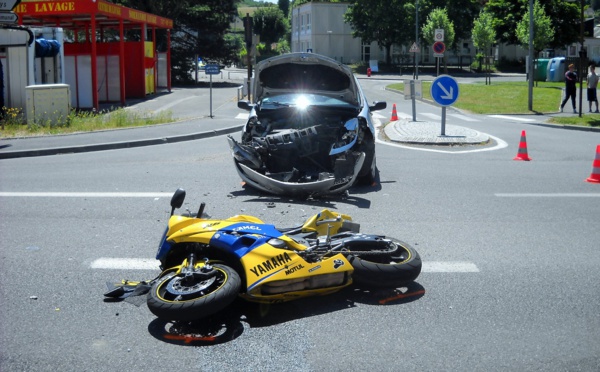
x: 312, y: 160
x: 309, y: 130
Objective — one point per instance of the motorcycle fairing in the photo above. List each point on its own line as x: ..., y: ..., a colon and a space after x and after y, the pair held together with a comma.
x: 284, y: 275
x: 186, y: 229
x: 243, y: 237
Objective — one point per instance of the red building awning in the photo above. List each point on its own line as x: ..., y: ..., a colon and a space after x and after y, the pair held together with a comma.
x: 91, y: 16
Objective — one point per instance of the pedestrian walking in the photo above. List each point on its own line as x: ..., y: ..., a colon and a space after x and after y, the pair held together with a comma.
x: 570, y: 88
x: 592, y: 85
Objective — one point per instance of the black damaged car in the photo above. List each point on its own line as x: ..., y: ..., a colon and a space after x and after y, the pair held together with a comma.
x: 309, y: 131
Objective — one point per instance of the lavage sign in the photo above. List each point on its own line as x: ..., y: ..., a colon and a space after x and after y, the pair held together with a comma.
x: 46, y: 7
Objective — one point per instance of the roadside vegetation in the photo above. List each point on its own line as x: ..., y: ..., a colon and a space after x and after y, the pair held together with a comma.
x: 13, y: 123
x: 513, y: 98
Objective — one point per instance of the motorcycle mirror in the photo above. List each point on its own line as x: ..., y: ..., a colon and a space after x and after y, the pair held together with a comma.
x: 201, y: 210
x: 177, y: 199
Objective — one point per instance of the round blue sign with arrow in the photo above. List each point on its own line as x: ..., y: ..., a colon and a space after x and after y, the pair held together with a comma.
x: 444, y: 90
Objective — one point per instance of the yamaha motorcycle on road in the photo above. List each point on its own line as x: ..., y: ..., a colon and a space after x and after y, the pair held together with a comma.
x: 207, y: 263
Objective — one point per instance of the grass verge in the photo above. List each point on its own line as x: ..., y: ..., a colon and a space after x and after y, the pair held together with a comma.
x: 513, y: 98
x: 78, y: 121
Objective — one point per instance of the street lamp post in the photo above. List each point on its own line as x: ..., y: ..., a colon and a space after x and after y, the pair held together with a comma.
x: 417, y: 39
x: 582, y: 56
x: 582, y: 52
x: 530, y: 72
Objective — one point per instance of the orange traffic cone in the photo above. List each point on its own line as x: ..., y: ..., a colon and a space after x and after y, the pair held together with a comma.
x: 595, y: 176
x: 394, y: 114
x: 522, y: 154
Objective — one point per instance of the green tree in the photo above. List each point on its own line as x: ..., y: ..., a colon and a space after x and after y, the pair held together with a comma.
x: 270, y: 24
x: 461, y: 12
x: 543, y: 32
x: 483, y: 32
x: 382, y: 21
x: 438, y: 18
x: 284, y: 5
x: 563, y: 14
x: 199, y: 28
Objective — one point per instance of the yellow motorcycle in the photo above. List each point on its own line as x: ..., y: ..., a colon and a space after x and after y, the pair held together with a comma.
x: 208, y: 263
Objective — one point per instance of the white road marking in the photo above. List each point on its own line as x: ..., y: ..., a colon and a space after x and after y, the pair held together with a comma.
x: 463, y: 117
x: 500, y: 144
x: 125, y: 263
x: 242, y: 116
x: 449, y: 267
x: 429, y: 115
x: 88, y: 194
x: 151, y: 264
x: 512, y: 118
x: 168, y: 105
x: 548, y: 195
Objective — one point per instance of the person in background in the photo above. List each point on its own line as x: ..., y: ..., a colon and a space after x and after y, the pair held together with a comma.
x: 592, y: 84
x: 570, y: 88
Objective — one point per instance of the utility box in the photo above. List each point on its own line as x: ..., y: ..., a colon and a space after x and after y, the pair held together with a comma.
x: 48, y: 103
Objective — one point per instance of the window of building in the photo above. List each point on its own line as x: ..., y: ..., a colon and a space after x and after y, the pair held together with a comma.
x: 308, y: 22
x: 366, y: 52
x: 594, y: 52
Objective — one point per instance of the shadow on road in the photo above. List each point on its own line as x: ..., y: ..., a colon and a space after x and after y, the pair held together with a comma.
x: 230, y: 323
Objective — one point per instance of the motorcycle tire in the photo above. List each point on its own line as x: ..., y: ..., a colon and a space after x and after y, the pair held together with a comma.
x: 172, y: 299
x: 389, y: 270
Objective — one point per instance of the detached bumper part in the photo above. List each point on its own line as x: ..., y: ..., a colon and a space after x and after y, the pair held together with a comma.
x: 320, y: 187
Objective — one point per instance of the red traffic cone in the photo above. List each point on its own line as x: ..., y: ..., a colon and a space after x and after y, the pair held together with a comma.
x: 522, y: 154
x: 595, y: 176
x: 394, y: 114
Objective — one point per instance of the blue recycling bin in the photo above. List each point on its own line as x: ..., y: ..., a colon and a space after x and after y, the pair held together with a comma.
x: 556, y: 69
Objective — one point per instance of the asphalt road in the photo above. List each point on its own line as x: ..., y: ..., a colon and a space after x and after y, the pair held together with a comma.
x: 510, y: 251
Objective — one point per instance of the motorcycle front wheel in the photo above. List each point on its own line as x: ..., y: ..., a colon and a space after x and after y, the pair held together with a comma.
x: 175, y: 297
x: 388, y: 270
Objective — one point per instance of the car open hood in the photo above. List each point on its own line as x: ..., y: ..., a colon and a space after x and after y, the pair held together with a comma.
x: 304, y: 72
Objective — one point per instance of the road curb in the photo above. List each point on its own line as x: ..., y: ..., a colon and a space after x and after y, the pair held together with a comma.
x: 117, y: 145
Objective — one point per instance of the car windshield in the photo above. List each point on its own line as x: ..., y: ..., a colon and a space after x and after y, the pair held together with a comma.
x: 302, y: 100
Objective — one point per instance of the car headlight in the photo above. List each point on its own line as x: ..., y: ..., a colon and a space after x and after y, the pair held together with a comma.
x: 347, y: 139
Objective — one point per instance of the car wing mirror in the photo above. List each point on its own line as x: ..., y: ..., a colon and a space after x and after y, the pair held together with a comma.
x: 378, y: 106
x: 245, y: 105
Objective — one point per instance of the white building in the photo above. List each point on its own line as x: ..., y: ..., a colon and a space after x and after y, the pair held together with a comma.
x: 320, y: 28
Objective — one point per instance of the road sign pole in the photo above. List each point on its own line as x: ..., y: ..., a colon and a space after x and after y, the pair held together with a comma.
x: 444, y: 91
x: 211, y: 115
x: 413, y: 97
x: 443, y: 121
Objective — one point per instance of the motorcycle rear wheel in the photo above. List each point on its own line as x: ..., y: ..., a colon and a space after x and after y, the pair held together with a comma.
x: 387, y: 270
x: 173, y: 298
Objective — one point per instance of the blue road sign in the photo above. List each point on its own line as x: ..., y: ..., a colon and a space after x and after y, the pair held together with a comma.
x: 444, y: 90
x: 212, y: 69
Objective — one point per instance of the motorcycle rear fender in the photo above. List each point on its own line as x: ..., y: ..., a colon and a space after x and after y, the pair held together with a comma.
x: 312, y: 224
